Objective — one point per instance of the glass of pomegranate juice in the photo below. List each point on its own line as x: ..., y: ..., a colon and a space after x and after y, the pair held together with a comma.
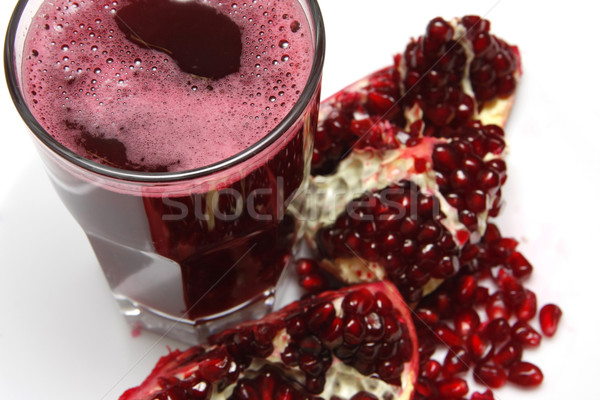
x: 176, y: 133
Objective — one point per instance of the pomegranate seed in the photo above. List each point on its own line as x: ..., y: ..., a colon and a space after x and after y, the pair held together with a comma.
x: 306, y: 266
x: 389, y: 369
x: 490, y: 375
x: 508, y: 354
x: 439, y: 30
x: 313, y: 283
x: 479, y: 347
x: 482, y: 295
x: 426, y: 316
x: 488, y: 179
x: 359, y: 302
x: 549, y: 317
x: 495, y: 307
x: 315, y: 384
x: 487, y: 395
x: 457, y: 360
x: 453, y: 388
x: 310, y: 364
x: 333, y: 335
x: 477, y: 201
x: 445, y: 158
x: 525, y: 374
x: 466, y: 322
x: 503, y: 247
x: 447, y: 336
x: 354, y: 330
x: 528, y: 307
x: 492, y: 234
x: 513, y: 292
x: 380, y: 103
x: 523, y: 333
x: 320, y: 317
x: 497, y: 330
x: 425, y: 389
x: 481, y: 43
x: 431, y: 370
x: 519, y: 265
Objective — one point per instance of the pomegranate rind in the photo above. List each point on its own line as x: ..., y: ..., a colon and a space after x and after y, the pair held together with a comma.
x: 171, y: 364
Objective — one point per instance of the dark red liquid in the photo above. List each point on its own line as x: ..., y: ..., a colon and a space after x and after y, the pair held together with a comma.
x: 228, y: 257
x: 201, y: 41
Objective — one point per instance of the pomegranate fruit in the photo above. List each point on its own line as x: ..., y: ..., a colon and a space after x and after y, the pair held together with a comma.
x: 385, y: 134
x: 354, y: 343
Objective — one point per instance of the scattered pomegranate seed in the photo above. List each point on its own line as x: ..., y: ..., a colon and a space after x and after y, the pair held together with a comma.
x: 489, y: 344
x: 525, y: 374
x: 508, y: 354
x: 487, y: 395
x: 490, y: 375
x: 549, y: 317
x: 527, y: 309
x: 453, y: 388
x: 523, y: 333
x: 457, y: 360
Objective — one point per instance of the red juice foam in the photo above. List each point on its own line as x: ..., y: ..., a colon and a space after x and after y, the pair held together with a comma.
x: 164, y: 85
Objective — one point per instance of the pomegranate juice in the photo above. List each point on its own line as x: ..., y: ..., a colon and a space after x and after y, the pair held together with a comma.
x: 163, y: 86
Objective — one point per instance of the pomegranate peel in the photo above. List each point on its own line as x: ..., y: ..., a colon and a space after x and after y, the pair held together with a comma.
x: 357, y: 340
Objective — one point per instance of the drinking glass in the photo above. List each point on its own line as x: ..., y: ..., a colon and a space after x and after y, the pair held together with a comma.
x: 186, y: 253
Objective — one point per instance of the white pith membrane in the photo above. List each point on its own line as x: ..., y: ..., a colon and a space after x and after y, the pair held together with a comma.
x: 371, y: 169
x: 341, y: 380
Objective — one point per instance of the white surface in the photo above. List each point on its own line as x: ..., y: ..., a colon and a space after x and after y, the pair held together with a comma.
x: 61, y: 336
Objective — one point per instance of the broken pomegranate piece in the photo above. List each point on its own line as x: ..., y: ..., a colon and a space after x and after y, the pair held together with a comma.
x: 398, y: 234
x: 458, y: 72
x: 352, y: 343
x: 416, y: 122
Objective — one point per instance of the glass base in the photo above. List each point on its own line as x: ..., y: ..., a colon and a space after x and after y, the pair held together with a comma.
x: 193, y: 332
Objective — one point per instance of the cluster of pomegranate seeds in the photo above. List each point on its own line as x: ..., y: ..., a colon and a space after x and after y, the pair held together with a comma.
x: 480, y: 319
x: 436, y: 63
x: 399, y: 228
x: 435, y: 66
x: 369, y: 335
x: 369, y: 115
x: 366, y: 332
x: 470, y: 184
x: 363, y: 333
x: 494, y: 63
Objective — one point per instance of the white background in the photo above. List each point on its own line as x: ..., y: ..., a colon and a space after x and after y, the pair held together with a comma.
x: 61, y: 336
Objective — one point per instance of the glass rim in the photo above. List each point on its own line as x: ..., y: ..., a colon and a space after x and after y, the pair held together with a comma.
x: 310, y: 88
